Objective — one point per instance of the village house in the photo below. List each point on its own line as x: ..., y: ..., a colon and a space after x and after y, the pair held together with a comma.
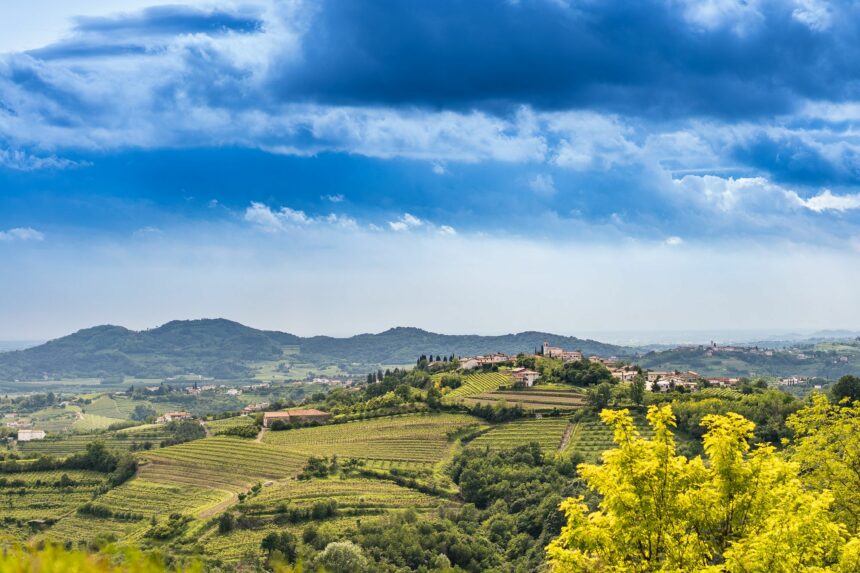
x: 293, y: 416
x: 233, y: 392
x: 30, y: 435
x: 722, y: 382
x: 173, y: 416
x: 524, y: 376
x: 625, y: 374
x: 469, y: 364
x: 255, y: 407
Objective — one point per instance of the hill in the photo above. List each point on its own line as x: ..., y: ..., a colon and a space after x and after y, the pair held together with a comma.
x: 224, y: 349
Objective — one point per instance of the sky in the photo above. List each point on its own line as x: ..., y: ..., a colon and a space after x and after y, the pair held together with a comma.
x: 464, y: 166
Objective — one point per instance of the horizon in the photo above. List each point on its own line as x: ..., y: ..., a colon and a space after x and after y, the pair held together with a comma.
x: 492, y: 166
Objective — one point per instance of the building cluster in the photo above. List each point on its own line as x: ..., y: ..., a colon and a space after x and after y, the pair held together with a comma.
x: 255, y: 407
x: 168, y: 417
x: 333, y: 382
x: 564, y: 355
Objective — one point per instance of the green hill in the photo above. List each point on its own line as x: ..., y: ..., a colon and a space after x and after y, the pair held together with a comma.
x: 224, y: 349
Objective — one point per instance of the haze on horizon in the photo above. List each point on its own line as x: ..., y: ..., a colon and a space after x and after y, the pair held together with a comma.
x: 483, y: 167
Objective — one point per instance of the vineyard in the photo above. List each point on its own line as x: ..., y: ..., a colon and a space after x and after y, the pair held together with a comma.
x: 547, y: 432
x: 475, y: 384
x: 534, y: 398
x: 113, y: 407
x: 216, y: 426
x: 130, y: 438
x: 591, y: 436
x: 138, y: 497
x: 47, y: 496
x: 223, y: 463
x: 418, y: 438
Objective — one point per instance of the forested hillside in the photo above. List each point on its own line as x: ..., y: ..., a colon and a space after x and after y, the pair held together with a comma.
x: 224, y: 349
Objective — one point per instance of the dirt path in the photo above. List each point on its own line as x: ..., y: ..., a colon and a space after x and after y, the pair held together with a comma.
x: 219, y: 507
x: 565, y: 439
x: 259, y: 438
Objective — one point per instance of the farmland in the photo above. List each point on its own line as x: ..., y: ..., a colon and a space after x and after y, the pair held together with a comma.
x: 223, y: 424
x: 418, y: 438
x: 225, y: 463
x: 535, y: 398
x: 127, y: 439
x: 548, y: 432
x: 590, y: 436
x: 474, y: 384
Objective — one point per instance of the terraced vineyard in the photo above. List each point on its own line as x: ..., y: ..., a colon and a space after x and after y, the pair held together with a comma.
x: 55, y: 420
x: 548, y: 432
x: 138, y: 496
x: 350, y: 494
x: 37, y: 496
x: 417, y: 438
x: 367, y: 499
x: 724, y: 393
x: 591, y: 436
x: 76, y: 443
x: 220, y: 462
x: 216, y: 426
x: 534, y: 398
x: 475, y: 384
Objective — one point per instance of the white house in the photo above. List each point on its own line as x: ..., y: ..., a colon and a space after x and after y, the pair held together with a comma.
x: 29, y: 435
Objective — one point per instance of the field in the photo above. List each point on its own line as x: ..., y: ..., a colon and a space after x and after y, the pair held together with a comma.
x: 231, y: 464
x: 113, y: 407
x: 216, y: 426
x: 421, y: 439
x: 475, y: 384
x: 548, y: 432
x: 138, y: 496
x: 355, y: 498
x: 535, y: 398
x: 590, y: 436
x: 72, y: 444
x: 36, y: 496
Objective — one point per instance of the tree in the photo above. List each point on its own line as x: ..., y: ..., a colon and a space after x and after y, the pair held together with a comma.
x: 637, y: 390
x: 600, y: 396
x: 847, y: 387
x: 226, y: 523
x: 742, y: 511
x: 342, y: 557
x: 283, y: 543
x: 142, y: 412
x: 827, y: 447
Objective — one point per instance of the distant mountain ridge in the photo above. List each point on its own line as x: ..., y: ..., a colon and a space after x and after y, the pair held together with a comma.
x: 226, y: 349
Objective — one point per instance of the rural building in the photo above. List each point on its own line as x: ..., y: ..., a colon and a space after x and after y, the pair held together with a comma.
x: 29, y: 435
x: 255, y: 407
x: 722, y: 382
x: 293, y: 416
x: 524, y: 376
x: 469, y: 364
x: 233, y: 392
x: 624, y: 374
x: 173, y: 416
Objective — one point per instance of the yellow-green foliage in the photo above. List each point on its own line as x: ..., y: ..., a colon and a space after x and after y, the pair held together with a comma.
x: 742, y: 511
x: 57, y: 560
x: 827, y: 448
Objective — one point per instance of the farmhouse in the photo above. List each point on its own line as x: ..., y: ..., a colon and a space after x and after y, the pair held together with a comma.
x: 625, y: 374
x: 173, y: 416
x: 722, y: 382
x: 29, y: 435
x: 293, y: 416
x: 255, y: 407
x: 524, y: 376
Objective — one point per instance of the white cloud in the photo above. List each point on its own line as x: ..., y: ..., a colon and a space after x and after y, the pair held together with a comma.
x: 739, y: 16
x: 405, y: 223
x: 339, y: 198
x: 816, y: 14
x: 542, y: 185
x: 447, y: 230
x: 674, y: 241
x: 21, y: 161
x: 22, y: 234
x: 827, y: 201
x: 439, y: 168
x: 271, y: 221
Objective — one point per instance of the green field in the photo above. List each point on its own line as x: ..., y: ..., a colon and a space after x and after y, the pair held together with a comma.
x: 417, y: 438
x: 535, y: 398
x: 139, y: 496
x: 126, y: 439
x: 474, y: 384
x: 548, y: 432
x: 113, y: 406
x: 216, y: 426
x: 231, y: 464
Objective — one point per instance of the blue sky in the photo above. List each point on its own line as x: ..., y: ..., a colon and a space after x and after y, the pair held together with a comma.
x: 464, y: 166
